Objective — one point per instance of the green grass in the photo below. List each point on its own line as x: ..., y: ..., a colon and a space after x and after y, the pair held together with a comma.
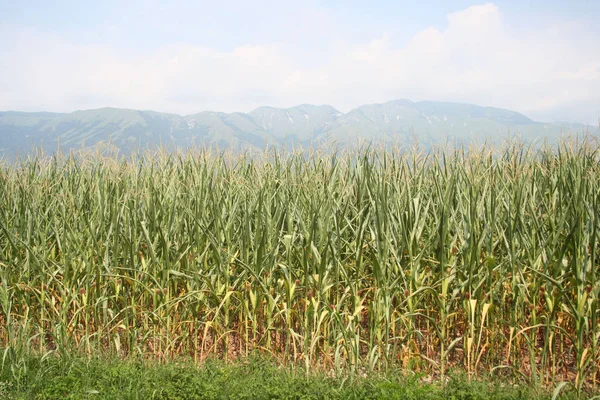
x: 483, y: 261
x: 256, y: 378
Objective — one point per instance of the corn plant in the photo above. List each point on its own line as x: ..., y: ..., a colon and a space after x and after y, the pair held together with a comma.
x: 481, y: 259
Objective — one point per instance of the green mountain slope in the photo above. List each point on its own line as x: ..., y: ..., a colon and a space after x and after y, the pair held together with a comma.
x: 399, y: 122
x: 297, y: 124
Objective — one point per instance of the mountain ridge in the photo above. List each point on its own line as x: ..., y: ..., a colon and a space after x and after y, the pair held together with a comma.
x: 396, y: 121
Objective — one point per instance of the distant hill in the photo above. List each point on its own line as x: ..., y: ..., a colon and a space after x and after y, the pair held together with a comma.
x: 399, y: 122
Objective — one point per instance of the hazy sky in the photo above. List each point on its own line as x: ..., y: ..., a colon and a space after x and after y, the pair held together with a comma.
x: 538, y: 57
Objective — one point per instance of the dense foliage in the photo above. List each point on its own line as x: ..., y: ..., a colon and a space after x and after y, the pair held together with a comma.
x: 484, y: 260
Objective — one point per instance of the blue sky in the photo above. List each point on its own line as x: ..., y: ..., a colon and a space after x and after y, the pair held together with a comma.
x: 538, y: 57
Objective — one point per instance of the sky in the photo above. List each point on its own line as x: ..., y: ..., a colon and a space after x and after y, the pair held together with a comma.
x: 541, y: 58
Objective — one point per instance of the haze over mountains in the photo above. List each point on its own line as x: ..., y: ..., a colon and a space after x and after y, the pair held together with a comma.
x: 399, y: 122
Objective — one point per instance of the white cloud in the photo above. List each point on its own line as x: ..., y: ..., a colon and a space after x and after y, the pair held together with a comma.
x: 550, y: 72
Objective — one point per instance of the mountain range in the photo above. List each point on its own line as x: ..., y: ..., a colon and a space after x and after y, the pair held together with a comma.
x: 398, y: 122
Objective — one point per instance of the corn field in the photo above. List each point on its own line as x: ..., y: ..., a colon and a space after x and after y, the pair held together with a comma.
x: 484, y: 260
